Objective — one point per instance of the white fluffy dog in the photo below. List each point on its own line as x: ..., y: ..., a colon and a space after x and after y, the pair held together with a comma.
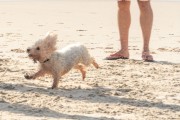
x: 58, y: 62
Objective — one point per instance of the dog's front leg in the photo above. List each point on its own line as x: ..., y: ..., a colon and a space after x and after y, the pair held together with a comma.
x: 55, y: 81
x: 34, y: 76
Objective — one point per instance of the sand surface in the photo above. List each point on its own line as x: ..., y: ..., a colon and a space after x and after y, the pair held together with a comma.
x: 119, y: 90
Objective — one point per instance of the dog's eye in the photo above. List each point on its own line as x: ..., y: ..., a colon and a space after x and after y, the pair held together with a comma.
x: 38, y: 48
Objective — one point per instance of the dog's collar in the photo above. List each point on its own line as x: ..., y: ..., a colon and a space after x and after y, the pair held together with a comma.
x: 46, y: 60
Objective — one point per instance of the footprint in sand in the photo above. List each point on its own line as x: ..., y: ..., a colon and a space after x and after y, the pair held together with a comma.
x: 60, y: 23
x: 10, y: 35
x: 4, y: 60
x: 1, y: 35
x: 1, y: 69
x: 108, y: 47
x: 80, y: 30
x: 18, y: 50
x: 9, y: 23
x: 40, y: 25
x: 177, y: 49
x: 133, y: 48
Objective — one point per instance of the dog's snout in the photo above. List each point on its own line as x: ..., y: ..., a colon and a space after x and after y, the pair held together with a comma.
x: 28, y: 50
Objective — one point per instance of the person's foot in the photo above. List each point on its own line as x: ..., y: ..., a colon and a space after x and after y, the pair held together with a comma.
x: 146, y: 56
x: 118, y: 55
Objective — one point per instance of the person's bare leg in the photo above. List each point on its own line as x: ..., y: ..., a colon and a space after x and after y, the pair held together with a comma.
x: 124, y: 21
x: 146, y: 20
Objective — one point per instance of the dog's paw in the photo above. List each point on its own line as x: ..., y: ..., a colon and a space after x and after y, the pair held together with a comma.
x: 50, y: 88
x: 53, y: 87
x: 28, y: 76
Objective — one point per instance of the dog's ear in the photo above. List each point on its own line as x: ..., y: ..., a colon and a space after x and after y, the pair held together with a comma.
x: 51, y: 39
x: 51, y: 36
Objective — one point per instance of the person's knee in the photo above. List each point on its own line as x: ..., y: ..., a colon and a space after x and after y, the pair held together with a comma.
x: 144, y: 6
x: 123, y: 5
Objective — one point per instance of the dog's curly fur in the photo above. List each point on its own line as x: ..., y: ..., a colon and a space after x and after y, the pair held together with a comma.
x: 58, y: 62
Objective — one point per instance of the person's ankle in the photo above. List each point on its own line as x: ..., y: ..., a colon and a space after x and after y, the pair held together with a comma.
x: 146, y: 50
x: 124, y: 52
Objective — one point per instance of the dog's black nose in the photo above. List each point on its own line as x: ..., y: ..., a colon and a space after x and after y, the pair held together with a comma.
x: 28, y: 50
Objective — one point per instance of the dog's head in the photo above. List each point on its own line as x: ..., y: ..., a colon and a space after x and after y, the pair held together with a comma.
x: 43, y: 48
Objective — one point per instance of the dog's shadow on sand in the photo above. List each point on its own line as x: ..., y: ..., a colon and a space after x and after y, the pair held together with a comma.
x: 94, y: 95
x: 43, y: 112
x: 27, y: 110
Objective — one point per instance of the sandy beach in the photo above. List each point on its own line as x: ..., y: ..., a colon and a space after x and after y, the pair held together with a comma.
x: 118, y: 90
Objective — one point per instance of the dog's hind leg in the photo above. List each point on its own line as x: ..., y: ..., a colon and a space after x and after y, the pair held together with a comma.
x: 82, y: 69
x: 94, y: 63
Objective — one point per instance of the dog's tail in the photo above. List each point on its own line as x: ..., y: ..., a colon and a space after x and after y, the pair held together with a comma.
x: 87, y: 58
